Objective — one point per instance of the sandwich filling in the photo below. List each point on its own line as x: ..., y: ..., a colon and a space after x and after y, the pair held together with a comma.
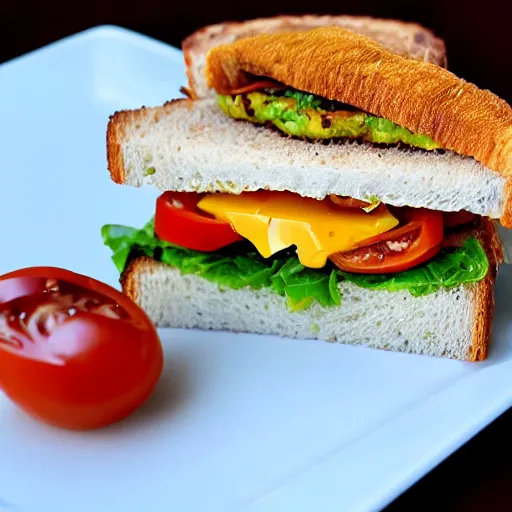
x: 304, y: 115
x: 302, y: 248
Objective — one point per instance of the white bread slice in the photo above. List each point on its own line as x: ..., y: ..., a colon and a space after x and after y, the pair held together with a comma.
x: 451, y: 323
x: 193, y: 146
x: 406, y: 39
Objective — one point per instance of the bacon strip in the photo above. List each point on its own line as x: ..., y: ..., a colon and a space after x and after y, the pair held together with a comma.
x: 348, y: 202
x: 257, y: 86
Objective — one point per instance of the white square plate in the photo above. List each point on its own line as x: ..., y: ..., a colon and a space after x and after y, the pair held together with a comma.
x: 238, y: 422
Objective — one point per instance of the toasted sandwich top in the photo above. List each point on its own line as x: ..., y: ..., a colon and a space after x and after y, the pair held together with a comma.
x: 403, y: 38
x: 341, y: 65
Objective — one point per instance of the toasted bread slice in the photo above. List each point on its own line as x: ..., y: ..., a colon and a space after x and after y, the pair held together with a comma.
x: 407, y: 39
x: 453, y: 323
x: 341, y: 65
x: 193, y: 146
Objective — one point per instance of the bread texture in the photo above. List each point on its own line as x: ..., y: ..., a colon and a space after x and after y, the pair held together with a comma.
x: 407, y: 39
x: 453, y: 323
x: 341, y: 65
x: 193, y: 146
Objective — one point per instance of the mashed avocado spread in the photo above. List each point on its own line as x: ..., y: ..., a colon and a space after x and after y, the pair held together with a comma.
x: 305, y: 115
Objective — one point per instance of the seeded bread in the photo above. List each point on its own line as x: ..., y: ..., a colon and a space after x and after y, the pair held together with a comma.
x: 452, y: 323
x: 193, y: 146
x: 407, y: 39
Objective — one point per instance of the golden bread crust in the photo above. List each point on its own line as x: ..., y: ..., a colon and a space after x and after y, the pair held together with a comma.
x: 403, y: 38
x: 341, y: 65
x: 488, y: 236
x: 115, y: 134
x: 188, y: 52
x: 130, y: 277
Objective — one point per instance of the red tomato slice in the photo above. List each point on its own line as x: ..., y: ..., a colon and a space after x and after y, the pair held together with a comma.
x: 180, y: 222
x: 74, y: 352
x: 399, y: 249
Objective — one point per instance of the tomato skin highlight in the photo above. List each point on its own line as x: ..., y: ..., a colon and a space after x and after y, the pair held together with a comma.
x: 397, y: 250
x: 76, y: 371
x: 180, y: 222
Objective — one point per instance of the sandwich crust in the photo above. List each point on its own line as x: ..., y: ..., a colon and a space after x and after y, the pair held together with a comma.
x: 403, y: 38
x: 115, y: 134
x: 341, y: 65
x: 487, y: 234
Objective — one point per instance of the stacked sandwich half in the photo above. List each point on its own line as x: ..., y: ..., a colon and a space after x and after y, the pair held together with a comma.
x: 318, y: 185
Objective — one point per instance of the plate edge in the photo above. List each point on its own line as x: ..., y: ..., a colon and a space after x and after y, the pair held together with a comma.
x: 107, y: 31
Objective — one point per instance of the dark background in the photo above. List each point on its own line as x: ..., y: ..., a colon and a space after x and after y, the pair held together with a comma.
x: 479, y: 41
x: 477, y: 34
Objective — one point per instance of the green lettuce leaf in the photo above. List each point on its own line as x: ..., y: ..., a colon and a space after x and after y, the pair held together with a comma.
x: 468, y: 264
x: 304, y: 100
x: 241, y: 265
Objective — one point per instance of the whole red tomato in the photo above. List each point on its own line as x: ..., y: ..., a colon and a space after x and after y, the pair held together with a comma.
x: 74, y: 352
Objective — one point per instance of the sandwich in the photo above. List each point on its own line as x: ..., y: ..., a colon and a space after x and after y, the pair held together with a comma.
x: 330, y: 189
